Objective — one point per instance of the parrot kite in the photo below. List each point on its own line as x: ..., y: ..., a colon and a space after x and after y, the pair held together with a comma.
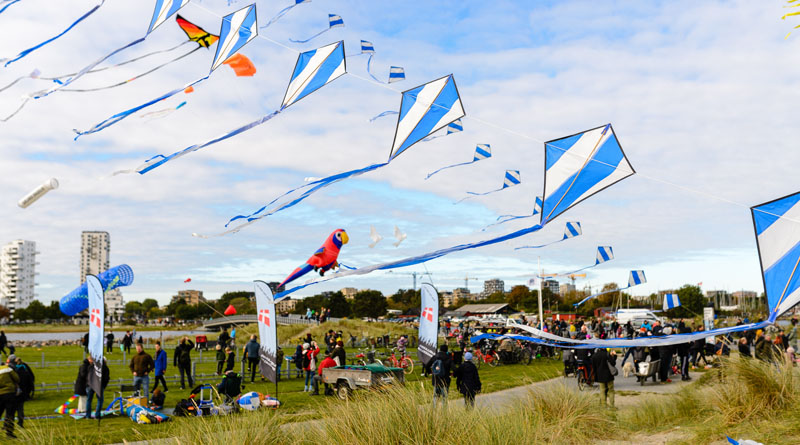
x: 324, y: 259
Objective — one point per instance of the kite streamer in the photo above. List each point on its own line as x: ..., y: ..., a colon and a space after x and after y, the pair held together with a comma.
x: 453, y: 127
x: 572, y: 229
x: 385, y: 113
x: 158, y: 114
x: 537, y: 209
x: 24, y: 53
x: 511, y: 179
x: 284, y: 11
x: 237, y: 29
x: 334, y: 21
x: 423, y: 110
x: 636, y: 278
x: 396, y: 73
x: 314, y: 69
x: 482, y: 151
x: 7, y: 4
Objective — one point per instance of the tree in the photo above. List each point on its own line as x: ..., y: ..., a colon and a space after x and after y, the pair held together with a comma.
x: 369, y: 303
x: 148, y: 304
x: 518, y: 296
x: 405, y: 300
x: 243, y: 305
x: 692, y: 301
x: 4, y: 312
x: 227, y: 297
x: 186, y: 312
x: 133, y: 308
x: 36, y: 311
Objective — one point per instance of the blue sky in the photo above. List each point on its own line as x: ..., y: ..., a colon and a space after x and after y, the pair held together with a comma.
x: 701, y: 96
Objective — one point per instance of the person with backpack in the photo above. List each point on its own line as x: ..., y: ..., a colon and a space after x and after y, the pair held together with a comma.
x: 441, y: 363
x: 104, y: 378
x: 468, y: 381
x: 251, y: 350
x: 182, y: 359
x: 26, y: 384
x: 161, y: 367
x: 278, y: 362
x: 79, y: 389
x: 605, y: 368
x: 310, y: 352
x: 9, y: 382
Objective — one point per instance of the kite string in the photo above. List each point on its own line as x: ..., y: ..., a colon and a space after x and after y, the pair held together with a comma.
x: 531, y: 138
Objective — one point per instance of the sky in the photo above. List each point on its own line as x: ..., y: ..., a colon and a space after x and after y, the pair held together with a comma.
x: 701, y: 96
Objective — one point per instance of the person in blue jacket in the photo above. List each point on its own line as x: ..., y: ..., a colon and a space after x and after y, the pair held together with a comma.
x: 161, y: 367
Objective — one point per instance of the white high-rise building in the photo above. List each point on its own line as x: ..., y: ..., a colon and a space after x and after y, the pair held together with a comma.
x: 17, y: 274
x: 95, y: 254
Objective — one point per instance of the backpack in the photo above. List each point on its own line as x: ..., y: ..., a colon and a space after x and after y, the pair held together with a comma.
x: 306, y: 361
x: 437, y: 369
x: 185, y: 408
x: 26, y: 380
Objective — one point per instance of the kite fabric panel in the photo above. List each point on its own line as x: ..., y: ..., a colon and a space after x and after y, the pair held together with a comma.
x: 604, y: 253
x: 482, y: 151
x: 315, y: 69
x: 414, y: 117
x: 334, y: 21
x: 236, y: 30
x: 284, y: 11
x: 671, y: 301
x: 777, y: 229
x: 635, y: 278
x: 164, y: 10
x: 578, y: 166
x: 23, y: 53
x: 6, y: 4
x: 537, y: 209
x: 241, y: 65
x: 511, y: 178
x: 571, y: 230
x: 424, y: 110
x: 453, y: 127
x: 396, y: 74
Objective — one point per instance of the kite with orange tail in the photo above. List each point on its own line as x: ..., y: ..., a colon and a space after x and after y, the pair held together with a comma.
x: 324, y: 259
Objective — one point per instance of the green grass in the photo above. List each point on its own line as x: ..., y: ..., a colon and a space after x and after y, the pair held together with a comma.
x: 117, y: 328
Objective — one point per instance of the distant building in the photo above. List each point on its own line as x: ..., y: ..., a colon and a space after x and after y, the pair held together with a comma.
x: 95, y: 259
x: 17, y: 274
x: 192, y: 297
x: 566, y: 289
x: 462, y: 293
x: 720, y: 298
x: 493, y: 286
x: 275, y: 287
x: 448, y: 299
x: 349, y: 292
x: 553, y: 285
x: 747, y: 299
x: 285, y: 305
x: 483, y: 309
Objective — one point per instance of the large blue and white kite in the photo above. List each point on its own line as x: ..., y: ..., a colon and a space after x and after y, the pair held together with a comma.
x: 423, y: 110
x: 571, y: 230
x: 510, y: 179
x: 482, y: 151
x: 334, y: 21
x: 314, y: 69
x: 237, y: 29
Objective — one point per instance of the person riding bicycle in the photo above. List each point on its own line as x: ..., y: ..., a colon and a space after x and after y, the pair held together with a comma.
x: 584, y: 358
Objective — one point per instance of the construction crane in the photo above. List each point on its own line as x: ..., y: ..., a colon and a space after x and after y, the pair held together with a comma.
x: 412, y: 274
x: 466, y: 280
x: 570, y: 276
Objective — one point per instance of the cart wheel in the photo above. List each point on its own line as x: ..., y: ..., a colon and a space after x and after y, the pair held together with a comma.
x: 408, y: 365
x: 494, y: 359
x: 581, y: 381
x: 526, y: 357
x: 343, y: 391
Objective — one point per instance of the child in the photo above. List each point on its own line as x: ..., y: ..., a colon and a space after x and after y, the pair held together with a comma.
x: 230, y: 360
x: 157, y: 400
x: 220, y: 359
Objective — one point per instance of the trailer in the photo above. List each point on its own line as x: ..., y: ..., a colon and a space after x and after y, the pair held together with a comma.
x: 348, y: 378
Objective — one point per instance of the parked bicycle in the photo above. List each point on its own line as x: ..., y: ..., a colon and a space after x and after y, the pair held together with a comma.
x: 366, y: 356
x: 488, y: 355
x: 585, y: 375
x: 403, y: 361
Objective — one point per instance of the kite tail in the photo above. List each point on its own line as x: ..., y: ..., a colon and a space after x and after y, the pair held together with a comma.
x: 138, y: 76
x: 123, y: 114
x: 369, y: 71
x: 13, y: 82
x: 158, y: 160
x: 510, y: 218
x: 373, y: 119
x: 161, y: 113
x: 34, y: 48
x: 7, y: 118
x: 310, y: 38
x: 86, y: 69
x: 598, y: 294
x: 279, y: 15
x: 415, y: 259
x: 449, y: 166
x: 539, y: 246
x: 6, y: 6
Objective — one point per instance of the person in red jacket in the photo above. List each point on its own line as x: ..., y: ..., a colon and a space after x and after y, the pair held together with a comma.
x: 327, y: 362
x: 310, y: 352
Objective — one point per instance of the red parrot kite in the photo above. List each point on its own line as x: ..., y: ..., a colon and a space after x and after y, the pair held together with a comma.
x: 323, y: 259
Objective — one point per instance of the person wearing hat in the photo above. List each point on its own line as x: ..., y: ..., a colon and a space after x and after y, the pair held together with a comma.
x: 468, y: 381
x: 9, y: 382
x: 26, y: 385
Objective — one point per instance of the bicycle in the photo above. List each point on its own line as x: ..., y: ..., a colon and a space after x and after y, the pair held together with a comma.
x: 488, y: 356
x: 584, y: 375
x: 365, y: 357
x: 405, y: 362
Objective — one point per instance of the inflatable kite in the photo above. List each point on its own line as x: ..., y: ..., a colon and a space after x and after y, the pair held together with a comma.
x: 230, y: 310
x: 78, y: 300
x: 324, y: 259
x: 38, y: 192
x: 374, y: 236
x: 64, y: 407
x: 334, y: 21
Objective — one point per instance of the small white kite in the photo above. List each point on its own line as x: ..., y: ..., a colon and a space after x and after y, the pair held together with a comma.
x: 399, y: 235
x: 38, y: 192
x: 375, y: 236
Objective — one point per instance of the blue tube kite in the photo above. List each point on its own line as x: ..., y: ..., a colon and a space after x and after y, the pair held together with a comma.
x: 78, y: 300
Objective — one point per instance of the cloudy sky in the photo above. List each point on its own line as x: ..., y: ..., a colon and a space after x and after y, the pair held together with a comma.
x: 701, y: 96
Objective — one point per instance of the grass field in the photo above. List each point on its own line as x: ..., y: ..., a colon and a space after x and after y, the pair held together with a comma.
x: 39, y: 327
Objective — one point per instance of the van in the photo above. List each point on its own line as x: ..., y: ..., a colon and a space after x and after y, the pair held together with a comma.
x: 636, y: 316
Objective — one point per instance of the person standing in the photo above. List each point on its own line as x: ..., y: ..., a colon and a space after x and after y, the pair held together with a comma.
x: 602, y: 362
x: 79, y: 389
x: 26, y: 385
x: 3, y: 342
x: 327, y: 362
x: 792, y: 339
x: 127, y: 341
x: 278, y: 362
x: 683, y: 353
x: 110, y: 342
x: 468, y: 381
x: 310, y: 352
x: 230, y: 361
x: 104, y: 377
x: 9, y: 382
x: 182, y: 359
x: 160, y: 367
x: 251, y: 348
x: 441, y: 363
x: 141, y: 366
x: 224, y: 338
x: 339, y: 355
x: 220, y: 357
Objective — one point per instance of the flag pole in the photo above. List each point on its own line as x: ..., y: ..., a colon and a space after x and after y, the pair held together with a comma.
x: 541, y: 315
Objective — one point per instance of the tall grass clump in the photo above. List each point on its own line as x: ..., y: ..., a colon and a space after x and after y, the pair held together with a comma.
x: 660, y: 412
x: 753, y: 388
x: 259, y: 427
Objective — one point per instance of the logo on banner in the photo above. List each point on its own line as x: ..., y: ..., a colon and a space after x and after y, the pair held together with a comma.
x: 94, y: 318
x: 263, y: 316
x: 428, y: 314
